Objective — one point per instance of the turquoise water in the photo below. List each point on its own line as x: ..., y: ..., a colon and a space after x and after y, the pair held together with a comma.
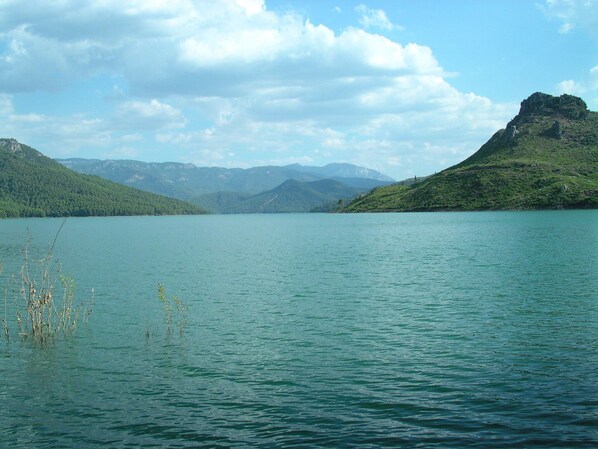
x: 395, y: 330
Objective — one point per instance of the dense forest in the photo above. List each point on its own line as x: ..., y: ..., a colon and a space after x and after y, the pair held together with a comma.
x: 32, y: 184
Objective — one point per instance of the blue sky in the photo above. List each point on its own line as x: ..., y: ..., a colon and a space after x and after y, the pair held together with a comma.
x: 406, y: 87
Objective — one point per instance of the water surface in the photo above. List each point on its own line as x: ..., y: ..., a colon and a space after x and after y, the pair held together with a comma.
x: 394, y: 330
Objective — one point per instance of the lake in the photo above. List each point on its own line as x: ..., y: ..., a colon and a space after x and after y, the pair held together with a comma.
x: 314, y: 330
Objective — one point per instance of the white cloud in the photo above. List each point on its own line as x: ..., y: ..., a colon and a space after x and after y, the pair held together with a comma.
x: 54, y: 135
x: 203, y: 46
x: 374, y: 18
x: 574, y: 14
x: 152, y: 114
x: 571, y: 87
x: 251, y: 7
x: 213, y: 78
x: 577, y: 15
x: 589, y: 84
x: 588, y: 88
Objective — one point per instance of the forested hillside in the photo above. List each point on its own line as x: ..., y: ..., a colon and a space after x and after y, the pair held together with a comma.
x: 33, y: 185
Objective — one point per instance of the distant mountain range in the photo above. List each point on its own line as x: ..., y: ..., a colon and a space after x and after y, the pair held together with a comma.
x: 545, y: 158
x: 236, y: 190
x: 32, y: 184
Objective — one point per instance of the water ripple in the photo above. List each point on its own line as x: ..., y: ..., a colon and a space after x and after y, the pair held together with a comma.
x: 415, y: 331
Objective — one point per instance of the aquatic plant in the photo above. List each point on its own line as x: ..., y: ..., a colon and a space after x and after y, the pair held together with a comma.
x: 40, y: 317
x: 175, y: 311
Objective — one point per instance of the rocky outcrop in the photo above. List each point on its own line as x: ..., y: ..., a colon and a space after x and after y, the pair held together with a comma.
x: 23, y: 151
x: 510, y: 133
x: 555, y: 131
x: 566, y: 106
x: 10, y: 145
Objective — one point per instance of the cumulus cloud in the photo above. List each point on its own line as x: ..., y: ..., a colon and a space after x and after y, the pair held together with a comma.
x: 231, y: 77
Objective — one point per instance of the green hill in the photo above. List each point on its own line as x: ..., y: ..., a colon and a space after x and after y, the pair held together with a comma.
x: 546, y: 158
x: 32, y: 184
x: 290, y: 196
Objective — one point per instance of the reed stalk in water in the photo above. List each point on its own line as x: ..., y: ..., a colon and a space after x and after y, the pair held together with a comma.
x: 44, y: 316
x: 175, y: 311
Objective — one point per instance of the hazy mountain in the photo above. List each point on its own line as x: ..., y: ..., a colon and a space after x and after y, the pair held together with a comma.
x: 186, y: 181
x: 32, y: 184
x: 290, y: 196
x: 546, y: 158
x: 341, y: 170
x: 237, y: 190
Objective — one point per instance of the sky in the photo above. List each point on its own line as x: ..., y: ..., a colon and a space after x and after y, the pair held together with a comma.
x: 405, y: 87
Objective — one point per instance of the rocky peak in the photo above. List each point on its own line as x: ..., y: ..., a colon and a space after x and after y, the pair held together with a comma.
x: 10, y: 145
x: 19, y: 150
x: 540, y: 104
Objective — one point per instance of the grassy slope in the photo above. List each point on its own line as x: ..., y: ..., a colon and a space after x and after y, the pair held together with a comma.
x: 34, y: 185
x: 531, y: 171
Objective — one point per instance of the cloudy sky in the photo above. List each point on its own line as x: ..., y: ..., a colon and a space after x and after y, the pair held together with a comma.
x: 403, y: 86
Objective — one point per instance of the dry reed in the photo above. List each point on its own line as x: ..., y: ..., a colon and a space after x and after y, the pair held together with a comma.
x: 44, y: 316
